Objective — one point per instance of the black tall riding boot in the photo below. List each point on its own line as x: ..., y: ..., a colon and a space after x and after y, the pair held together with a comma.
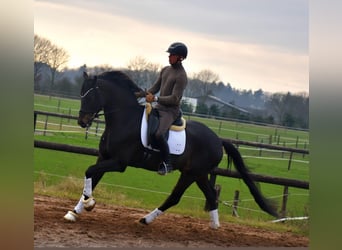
x: 165, y: 167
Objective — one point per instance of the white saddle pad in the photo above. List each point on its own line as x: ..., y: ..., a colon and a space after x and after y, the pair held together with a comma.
x: 176, y: 139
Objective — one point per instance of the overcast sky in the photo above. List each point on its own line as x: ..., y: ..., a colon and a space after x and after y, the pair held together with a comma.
x: 251, y: 44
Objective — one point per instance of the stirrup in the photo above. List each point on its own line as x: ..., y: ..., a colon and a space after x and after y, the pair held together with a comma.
x: 165, y: 168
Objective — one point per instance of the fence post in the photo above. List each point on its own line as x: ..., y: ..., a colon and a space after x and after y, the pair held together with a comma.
x: 35, y: 121
x: 97, y: 128
x: 45, y: 125
x: 283, y: 207
x: 290, y: 160
x: 235, y: 203
x: 220, y: 125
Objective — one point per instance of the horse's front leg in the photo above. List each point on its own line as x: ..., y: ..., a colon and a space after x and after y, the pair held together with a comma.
x: 92, y: 177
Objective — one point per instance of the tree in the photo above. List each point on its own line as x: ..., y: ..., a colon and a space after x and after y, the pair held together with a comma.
x: 193, y: 88
x: 202, y: 108
x: 41, y: 48
x: 207, y: 77
x: 289, y: 110
x: 214, y: 110
x: 57, y: 58
x: 186, y: 106
x: 96, y: 70
x: 276, y: 105
x: 50, y: 54
x: 142, y: 72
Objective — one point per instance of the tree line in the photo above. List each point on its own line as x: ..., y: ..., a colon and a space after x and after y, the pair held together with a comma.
x: 52, y: 77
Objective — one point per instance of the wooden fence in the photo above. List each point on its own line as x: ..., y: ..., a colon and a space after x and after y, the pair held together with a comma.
x: 286, y: 182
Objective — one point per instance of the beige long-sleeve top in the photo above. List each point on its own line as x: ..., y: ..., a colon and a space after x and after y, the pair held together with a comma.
x: 171, y: 84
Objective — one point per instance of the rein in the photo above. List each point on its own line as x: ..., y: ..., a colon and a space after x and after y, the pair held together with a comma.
x: 105, y: 113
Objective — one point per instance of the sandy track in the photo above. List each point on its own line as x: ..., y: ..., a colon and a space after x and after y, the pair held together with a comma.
x: 116, y: 226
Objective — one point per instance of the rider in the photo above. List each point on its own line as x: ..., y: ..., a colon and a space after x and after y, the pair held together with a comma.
x: 171, y: 84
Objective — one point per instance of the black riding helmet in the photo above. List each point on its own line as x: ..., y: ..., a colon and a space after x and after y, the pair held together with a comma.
x: 179, y: 49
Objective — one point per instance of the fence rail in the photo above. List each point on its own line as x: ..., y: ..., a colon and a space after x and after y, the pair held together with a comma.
x: 216, y: 171
x: 269, y: 146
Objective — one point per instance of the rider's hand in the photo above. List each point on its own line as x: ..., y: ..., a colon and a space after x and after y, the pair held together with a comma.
x: 149, y: 97
x: 140, y: 94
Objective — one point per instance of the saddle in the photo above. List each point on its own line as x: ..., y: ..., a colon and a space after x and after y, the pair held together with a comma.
x: 175, y: 136
x: 153, y: 123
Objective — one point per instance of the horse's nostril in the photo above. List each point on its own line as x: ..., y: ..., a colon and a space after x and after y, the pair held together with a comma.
x: 81, y: 123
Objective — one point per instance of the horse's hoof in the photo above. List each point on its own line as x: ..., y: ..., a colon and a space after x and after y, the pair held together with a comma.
x: 89, y: 203
x: 143, y: 221
x: 71, y: 216
x: 214, y: 225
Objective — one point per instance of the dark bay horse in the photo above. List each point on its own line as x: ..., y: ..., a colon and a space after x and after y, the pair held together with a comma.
x: 120, y: 146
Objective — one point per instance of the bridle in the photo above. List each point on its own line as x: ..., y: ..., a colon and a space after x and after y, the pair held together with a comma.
x: 88, y: 91
x: 96, y: 114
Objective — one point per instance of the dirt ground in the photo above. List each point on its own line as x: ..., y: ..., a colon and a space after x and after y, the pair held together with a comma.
x: 116, y: 226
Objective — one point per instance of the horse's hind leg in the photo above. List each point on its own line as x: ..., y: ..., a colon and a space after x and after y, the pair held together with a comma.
x: 211, y: 196
x: 183, y: 183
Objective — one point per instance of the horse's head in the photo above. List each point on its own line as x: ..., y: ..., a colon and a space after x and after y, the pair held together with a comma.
x: 110, y: 91
x: 91, y: 103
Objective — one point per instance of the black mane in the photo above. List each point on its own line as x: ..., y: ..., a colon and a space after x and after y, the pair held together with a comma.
x: 120, y: 78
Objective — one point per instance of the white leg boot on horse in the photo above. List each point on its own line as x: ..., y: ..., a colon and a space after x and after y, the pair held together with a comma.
x: 147, y: 219
x: 86, y: 202
x: 214, y: 219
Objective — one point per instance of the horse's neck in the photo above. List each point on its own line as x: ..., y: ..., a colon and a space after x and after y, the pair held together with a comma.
x: 123, y: 115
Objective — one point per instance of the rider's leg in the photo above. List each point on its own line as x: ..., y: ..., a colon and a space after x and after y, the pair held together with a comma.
x: 165, y: 166
x: 165, y: 121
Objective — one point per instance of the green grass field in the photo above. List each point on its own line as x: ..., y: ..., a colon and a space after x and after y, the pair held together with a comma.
x: 61, y: 174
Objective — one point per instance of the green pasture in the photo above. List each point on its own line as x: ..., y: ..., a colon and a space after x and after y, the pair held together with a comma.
x: 61, y: 174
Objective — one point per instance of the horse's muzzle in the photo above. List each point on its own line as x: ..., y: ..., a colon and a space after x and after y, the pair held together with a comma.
x: 85, y: 119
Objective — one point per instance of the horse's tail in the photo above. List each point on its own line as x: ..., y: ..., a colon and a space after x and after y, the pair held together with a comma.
x: 265, y: 204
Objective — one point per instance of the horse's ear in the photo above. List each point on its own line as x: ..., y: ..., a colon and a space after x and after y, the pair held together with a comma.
x: 85, y: 75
